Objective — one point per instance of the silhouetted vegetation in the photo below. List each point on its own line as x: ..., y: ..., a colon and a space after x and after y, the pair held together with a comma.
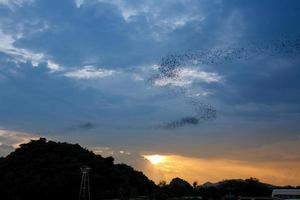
x: 176, y: 188
x: 227, y: 188
x: 46, y: 170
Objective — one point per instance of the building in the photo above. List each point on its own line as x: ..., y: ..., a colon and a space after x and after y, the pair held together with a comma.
x: 286, y: 194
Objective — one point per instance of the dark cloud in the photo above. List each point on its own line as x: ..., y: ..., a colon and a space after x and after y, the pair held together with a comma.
x: 87, y: 125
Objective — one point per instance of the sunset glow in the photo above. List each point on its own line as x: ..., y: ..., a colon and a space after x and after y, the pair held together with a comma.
x: 156, y: 159
x: 201, y: 91
x: 213, y: 170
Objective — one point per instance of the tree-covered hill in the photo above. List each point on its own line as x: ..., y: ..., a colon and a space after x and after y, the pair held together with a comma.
x: 45, y: 170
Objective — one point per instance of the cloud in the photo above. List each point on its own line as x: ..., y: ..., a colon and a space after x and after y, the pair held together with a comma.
x: 81, y: 127
x: 79, y: 3
x: 53, y: 66
x: 225, y: 54
x: 5, y: 149
x: 186, y: 77
x: 87, y: 125
x: 21, y: 55
x: 10, y: 140
x: 12, y: 3
x: 173, y: 72
x: 118, y: 154
x: 155, y: 15
x: 89, y: 72
x: 103, y: 151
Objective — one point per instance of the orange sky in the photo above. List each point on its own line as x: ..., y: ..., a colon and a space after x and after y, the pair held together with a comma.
x: 276, y: 163
x: 214, y: 170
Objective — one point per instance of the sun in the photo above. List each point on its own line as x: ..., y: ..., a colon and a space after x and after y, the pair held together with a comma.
x: 155, y: 159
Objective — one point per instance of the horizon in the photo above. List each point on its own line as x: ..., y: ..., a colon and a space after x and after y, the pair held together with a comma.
x: 203, y: 90
x: 156, y: 160
x: 159, y: 162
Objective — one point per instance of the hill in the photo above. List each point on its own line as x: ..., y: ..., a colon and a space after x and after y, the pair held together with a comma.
x: 234, y: 188
x: 221, y: 190
x: 44, y: 169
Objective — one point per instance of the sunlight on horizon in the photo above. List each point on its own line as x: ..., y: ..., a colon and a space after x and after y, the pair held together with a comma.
x: 155, y: 159
x: 213, y: 170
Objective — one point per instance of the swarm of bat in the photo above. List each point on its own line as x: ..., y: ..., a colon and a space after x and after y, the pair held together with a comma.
x: 171, y: 65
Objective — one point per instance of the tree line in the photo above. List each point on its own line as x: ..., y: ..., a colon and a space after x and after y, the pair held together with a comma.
x: 45, y: 170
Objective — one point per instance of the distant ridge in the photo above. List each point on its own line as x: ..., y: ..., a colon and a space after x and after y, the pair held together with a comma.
x: 209, y: 184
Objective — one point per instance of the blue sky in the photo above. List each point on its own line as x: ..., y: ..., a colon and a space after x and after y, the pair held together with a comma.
x: 93, y: 72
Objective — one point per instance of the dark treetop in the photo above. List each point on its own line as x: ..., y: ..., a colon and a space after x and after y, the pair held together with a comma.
x: 49, y: 170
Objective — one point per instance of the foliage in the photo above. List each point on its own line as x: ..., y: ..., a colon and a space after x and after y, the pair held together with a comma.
x: 48, y: 170
x: 45, y: 170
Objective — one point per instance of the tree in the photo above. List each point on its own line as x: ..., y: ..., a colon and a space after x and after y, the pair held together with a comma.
x: 179, y: 187
x: 195, y: 184
x: 46, y: 170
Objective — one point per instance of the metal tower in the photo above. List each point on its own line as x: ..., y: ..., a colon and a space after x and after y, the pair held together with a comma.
x: 84, y: 193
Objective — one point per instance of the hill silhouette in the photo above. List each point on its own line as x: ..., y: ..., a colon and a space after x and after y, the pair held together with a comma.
x: 226, y: 189
x: 44, y: 169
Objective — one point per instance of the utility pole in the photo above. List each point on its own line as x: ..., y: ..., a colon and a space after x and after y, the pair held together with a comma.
x: 84, y: 193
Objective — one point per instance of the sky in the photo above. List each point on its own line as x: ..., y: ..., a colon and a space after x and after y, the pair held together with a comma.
x: 211, y: 86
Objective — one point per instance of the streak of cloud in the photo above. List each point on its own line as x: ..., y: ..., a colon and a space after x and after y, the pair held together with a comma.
x: 89, y: 72
x: 87, y: 125
x: 10, y: 140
